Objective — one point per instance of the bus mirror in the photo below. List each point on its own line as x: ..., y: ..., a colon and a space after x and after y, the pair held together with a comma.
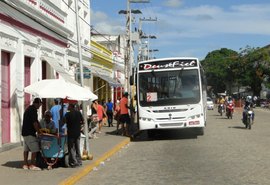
x: 131, y: 80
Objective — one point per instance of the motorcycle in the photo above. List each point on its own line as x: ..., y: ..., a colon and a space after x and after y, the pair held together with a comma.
x: 221, y: 109
x: 248, y: 117
x: 229, y: 110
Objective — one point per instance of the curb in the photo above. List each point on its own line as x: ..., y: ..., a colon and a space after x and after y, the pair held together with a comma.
x: 83, y: 172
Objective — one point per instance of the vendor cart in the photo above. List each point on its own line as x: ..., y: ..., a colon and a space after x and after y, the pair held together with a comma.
x: 54, y: 149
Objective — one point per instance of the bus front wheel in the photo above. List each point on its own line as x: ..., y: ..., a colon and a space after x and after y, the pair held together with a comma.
x: 151, y: 133
x: 200, y: 131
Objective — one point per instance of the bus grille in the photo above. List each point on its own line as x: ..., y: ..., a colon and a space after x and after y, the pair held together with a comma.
x: 171, y: 110
x: 173, y: 118
x: 171, y: 124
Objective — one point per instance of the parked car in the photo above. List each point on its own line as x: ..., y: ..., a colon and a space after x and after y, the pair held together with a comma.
x: 210, y: 104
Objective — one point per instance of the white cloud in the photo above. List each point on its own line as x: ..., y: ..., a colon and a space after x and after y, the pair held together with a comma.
x: 100, y: 16
x: 208, y: 20
x: 173, y: 3
x: 104, y: 24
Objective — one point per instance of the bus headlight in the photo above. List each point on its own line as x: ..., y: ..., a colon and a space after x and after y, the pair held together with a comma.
x: 146, y: 119
x: 193, y: 120
x: 194, y: 116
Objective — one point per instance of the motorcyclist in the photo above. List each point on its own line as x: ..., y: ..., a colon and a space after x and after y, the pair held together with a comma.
x: 221, y: 101
x: 248, y: 105
x: 228, y: 102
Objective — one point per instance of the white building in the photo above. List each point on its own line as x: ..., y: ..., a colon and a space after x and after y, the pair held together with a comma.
x: 37, y: 38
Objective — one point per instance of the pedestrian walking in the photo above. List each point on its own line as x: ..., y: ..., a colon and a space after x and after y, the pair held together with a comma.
x: 109, y: 112
x: 29, y: 129
x: 74, y: 120
x: 98, y: 108
x: 93, y: 120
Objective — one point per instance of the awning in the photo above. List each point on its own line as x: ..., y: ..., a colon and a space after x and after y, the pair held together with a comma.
x: 103, y: 75
x: 59, y: 69
x: 110, y: 80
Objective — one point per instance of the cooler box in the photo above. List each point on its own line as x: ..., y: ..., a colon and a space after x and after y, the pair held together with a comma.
x: 52, y: 146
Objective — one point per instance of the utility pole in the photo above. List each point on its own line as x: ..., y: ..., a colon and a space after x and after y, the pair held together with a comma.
x: 143, y: 36
x: 81, y: 75
x: 129, y: 59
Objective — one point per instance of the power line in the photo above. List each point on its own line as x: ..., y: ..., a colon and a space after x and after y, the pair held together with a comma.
x: 92, y: 28
x: 104, y: 36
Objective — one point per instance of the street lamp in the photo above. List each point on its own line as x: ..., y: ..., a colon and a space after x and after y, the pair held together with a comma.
x: 129, y: 53
x: 151, y: 51
x: 148, y: 37
x: 132, y: 11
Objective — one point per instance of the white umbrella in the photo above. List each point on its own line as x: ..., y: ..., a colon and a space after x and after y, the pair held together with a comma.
x: 57, y: 88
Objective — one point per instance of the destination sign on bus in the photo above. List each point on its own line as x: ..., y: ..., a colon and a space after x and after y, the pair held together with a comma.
x: 167, y: 64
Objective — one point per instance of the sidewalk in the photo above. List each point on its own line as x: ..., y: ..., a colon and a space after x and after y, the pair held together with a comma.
x: 11, y: 172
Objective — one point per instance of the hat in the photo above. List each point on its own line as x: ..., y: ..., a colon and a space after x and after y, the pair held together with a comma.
x: 37, y: 100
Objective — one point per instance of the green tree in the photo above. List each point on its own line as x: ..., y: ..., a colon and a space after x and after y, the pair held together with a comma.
x: 220, y: 70
x: 255, y: 63
x: 226, y: 68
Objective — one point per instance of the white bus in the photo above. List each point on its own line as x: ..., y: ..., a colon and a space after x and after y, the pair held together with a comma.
x: 171, y: 94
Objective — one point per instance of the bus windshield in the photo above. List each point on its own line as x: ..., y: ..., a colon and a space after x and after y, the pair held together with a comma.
x: 173, y: 87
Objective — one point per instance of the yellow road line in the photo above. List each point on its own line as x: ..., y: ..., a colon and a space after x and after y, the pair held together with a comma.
x: 80, y: 174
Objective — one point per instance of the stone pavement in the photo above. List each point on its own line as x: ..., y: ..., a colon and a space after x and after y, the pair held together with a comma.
x: 103, y: 147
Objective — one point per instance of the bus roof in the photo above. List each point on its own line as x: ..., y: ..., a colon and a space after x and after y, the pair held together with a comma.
x: 169, y: 58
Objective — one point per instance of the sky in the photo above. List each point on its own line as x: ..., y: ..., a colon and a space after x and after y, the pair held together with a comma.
x: 189, y: 28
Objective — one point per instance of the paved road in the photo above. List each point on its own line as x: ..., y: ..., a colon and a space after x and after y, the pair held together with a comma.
x: 228, y: 154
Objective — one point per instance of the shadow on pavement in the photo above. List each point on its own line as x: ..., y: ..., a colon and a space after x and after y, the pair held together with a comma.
x: 166, y: 135
x: 13, y: 164
x: 238, y: 127
x: 223, y: 118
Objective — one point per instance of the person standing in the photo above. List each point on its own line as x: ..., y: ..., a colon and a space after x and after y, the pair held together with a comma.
x: 29, y: 129
x: 116, y: 115
x: 74, y: 120
x: 55, y: 110
x: 124, y: 115
x: 109, y: 112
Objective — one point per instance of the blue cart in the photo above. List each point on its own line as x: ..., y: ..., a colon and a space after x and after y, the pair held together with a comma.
x: 54, y: 149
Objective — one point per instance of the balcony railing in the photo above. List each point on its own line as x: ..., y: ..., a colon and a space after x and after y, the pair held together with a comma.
x: 47, y: 8
x: 45, y: 11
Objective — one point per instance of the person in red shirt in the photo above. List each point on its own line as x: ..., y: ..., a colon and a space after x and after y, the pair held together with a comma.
x: 124, y: 114
x: 100, y: 112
